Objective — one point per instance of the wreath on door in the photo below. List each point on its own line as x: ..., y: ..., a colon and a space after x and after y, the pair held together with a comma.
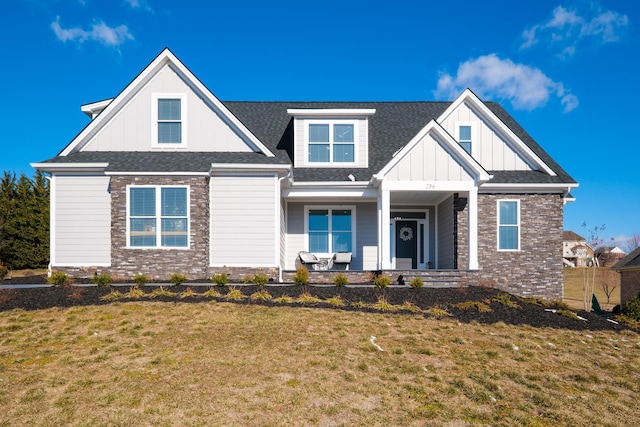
x: 406, y: 233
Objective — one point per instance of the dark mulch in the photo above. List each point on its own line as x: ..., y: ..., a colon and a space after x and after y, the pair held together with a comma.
x: 446, y: 298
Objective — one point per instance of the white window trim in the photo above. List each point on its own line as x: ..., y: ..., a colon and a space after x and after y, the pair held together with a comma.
x: 474, y: 140
x: 331, y: 122
x: 352, y: 208
x: 519, y: 225
x: 158, y: 218
x: 154, y: 119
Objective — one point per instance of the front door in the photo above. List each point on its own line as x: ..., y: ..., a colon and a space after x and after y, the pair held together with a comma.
x: 406, y: 245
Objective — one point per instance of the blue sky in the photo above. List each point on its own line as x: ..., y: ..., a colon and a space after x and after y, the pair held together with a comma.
x: 566, y: 70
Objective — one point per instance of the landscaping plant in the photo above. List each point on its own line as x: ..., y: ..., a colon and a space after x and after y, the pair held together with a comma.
x: 177, y: 278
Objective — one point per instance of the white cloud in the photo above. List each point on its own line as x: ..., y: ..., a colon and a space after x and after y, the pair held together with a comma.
x: 139, y: 4
x: 490, y: 77
x: 568, y: 29
x: 99, y: 32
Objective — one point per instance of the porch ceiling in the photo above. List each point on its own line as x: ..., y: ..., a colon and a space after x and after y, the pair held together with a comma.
x: 418, y: 197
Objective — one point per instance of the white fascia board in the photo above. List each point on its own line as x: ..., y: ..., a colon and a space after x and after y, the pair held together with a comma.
x: 527, y: 188
x: 314, y: 193
x: 336, y: 112
x: 442, y: 135
x: 468, y: 95
x: 165, y: 58
x: 330, y: 184
x: 70, y: 167
x: 281, y: 170
x: 94, y: 108
x: 158, y: 173
x: 428, y: 185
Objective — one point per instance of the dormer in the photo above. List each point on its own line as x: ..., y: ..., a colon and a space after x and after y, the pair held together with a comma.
x: 331, y: 138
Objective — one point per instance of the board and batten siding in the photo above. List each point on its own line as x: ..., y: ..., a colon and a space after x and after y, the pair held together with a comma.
x: 428, y: 161
x: 362, y: 140
x: 81, y: 229
x: 131, y: 128
x: 365, y: 254
x: 491, y: 149
x: 244, y: 210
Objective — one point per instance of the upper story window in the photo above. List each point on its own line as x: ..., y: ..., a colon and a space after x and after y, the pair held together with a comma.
x: 169, y: 120
x: 508, y: 225
x: 158, y: 217
x: 331, y: 142
x: 465, y: 136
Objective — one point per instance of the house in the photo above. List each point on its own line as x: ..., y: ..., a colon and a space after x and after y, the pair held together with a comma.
x: 629, y: 269
x: 167, y: 178
x: 575, y: 250
x: 609, y: 255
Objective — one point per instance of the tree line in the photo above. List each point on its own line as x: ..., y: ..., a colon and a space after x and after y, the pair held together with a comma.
x: 24, y: 221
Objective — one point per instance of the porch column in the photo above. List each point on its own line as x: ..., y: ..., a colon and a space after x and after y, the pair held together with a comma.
x: 473, y: 229
x: 384, y: 244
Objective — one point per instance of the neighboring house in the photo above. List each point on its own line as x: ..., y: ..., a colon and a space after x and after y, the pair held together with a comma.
x: 609, y: 255
x: 575, y: 250
x: 167, y: 178
x: 629, y: 269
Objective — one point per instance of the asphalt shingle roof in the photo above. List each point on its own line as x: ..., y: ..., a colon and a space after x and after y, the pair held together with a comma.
x: 630, y: 261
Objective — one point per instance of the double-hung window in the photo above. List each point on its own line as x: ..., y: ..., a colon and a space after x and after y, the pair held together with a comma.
x: 465, y: 137
x: 158, y: 217
x: 169, y: 115
x: 330, y: 229
x: 331, y: 142
x: 508, y: 225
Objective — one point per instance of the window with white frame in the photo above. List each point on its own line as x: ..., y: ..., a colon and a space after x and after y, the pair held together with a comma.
x: 331, y: 142
x: 330, y: 229
x: 465, y: 137
x: 508, y: 225
x: 158, y: 216
x: 169, y: 115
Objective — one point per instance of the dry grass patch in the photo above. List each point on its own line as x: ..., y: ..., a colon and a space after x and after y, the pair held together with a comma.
x: 153, y: 363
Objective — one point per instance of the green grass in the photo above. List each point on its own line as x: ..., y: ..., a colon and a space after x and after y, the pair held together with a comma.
x: 153, y: 363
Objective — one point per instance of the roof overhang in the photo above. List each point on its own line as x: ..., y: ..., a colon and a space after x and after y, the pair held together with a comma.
x: 94, y: 108
x: 244, y: 167
x: 70, y: 167
x: 333, y: 112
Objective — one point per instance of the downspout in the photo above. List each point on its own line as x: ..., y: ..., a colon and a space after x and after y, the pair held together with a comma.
x: 280, y: 267
x: 49, y: 269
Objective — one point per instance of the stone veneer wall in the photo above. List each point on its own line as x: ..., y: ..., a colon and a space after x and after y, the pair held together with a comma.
x: 535, y: 270
x: 462, y: 217
x: 159, y: 263
x: 629, y: 284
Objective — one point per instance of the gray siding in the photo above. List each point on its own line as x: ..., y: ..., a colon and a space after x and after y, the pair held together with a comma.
x: 445, y: 233
x: 82, y: 221
x: 243, y: 220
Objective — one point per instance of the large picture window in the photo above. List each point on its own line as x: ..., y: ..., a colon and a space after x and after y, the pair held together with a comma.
x: 508, y: 225
x: 330, y: 229
x: 158, y: 217
x: 331, y: 142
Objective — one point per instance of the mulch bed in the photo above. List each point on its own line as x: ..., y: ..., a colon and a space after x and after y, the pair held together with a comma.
x: 425, y: 298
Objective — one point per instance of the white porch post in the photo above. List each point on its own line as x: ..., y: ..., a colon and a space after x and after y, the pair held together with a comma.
x: 473, y: 229
x: 384, y: 245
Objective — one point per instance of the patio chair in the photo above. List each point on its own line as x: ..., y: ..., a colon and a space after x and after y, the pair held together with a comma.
x: 341, y: 260
x: 308, y: 260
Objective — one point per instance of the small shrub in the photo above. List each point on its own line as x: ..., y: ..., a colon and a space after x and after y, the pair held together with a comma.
x: 633, y: 323
x: 631, y: 308
x: 340, y: 280
x: 135, y: 292
x: 416, y: 283
x: 112, y: 296
x: 505, y: 299
x: 559, y: 304
x: 479, y: 306
x: 383, y: 305
x: 187, y: 293
x: 212, y: 293
x: 382, y: 281
x: 177, y: 278
x: 161, y: 292
x: 235, y: 294
x: 359, y: 304
x: 284, y: 299
x: 219, y: 279
x: 335, y: 301
x: 261, y: 296
x: 3, y: 271
x: 567, y: 313
x: 75, y: 293
x: 7, y: 295
x: 58, y: 278
x: 101, y: 280
x: 301, y: 277
x: 260, y: 279
x: 247, y: 279
x: 140, y: 279
x: 438, y: 312
x: 307, y: 298
x: 411, y: 307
